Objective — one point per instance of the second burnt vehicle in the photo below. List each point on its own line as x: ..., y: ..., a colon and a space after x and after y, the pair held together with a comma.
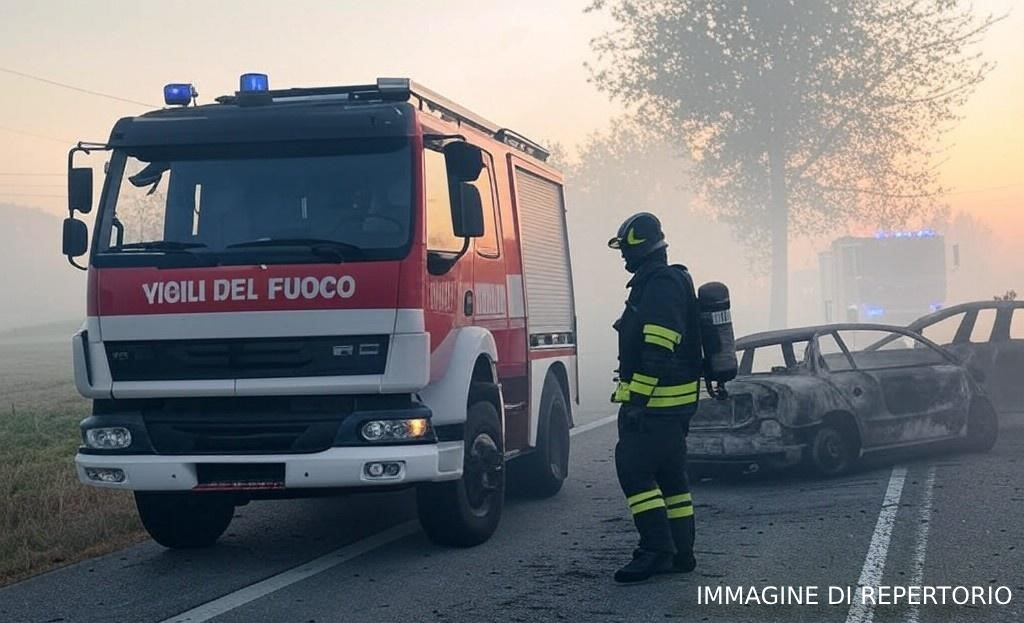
x: 988, y: 336
x: 826, y: 396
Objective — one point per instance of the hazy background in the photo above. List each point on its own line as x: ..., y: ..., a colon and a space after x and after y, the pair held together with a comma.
x: 520, y: 65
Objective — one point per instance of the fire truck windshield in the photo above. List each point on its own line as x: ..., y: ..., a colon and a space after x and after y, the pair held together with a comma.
x: 165, y: 207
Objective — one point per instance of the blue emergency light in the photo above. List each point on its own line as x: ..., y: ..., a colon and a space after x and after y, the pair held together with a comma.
x: 179, y: 94
x: 254, y: 82
x: 921, y: 233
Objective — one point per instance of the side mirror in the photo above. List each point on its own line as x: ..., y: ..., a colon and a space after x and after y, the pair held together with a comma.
x: 76, y: 238
x: 464, y: 161
x: 467, y: 211
x: 79, y: 190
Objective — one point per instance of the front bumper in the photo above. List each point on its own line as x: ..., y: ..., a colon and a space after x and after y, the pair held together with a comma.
x: 738, y: 448
x: 331, y: 468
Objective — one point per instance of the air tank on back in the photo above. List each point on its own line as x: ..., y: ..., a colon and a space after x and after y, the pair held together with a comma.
x: 717, y: 337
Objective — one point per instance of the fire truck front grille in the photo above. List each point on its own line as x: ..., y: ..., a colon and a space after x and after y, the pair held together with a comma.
x: 249, y: 358
x: 245, y: 426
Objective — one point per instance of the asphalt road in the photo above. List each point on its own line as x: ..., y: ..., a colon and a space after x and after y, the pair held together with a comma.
x: 944, y: 520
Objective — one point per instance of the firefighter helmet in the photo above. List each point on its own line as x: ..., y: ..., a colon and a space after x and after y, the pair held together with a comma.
x: 639, y: 236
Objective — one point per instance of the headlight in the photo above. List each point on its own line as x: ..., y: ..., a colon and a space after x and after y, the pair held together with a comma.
x: 396, y: 430
x: 768, y: 402
x: 771, y: 428
x: 113, y: 438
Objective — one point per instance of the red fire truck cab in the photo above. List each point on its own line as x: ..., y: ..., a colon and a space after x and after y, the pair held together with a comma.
x: 313, y: 289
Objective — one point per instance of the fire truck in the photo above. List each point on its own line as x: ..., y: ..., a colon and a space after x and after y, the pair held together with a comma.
x: 893, y: 277
x: 315, y: 290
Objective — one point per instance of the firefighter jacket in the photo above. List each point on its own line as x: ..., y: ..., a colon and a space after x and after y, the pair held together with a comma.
x: 659, y: 342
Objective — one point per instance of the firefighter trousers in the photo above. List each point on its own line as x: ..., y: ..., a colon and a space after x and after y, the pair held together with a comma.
x: 650, y: 459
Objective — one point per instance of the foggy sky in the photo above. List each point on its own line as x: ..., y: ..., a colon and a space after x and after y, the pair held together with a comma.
x: 520, y: 65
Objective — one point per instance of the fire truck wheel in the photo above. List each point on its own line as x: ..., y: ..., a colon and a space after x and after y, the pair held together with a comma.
x: 184, y: 520
x: 465, y: 512
x: 541, y: 473
x: 982, y: 426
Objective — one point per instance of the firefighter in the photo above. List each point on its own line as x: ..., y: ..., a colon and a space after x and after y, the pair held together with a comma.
x: 658, y: 376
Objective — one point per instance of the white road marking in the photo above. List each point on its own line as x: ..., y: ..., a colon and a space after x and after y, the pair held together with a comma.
x: 251, y: 593
x: 874, y: 562
x: 576, y: 430
x: 274, y: 583
x: 921, y: 545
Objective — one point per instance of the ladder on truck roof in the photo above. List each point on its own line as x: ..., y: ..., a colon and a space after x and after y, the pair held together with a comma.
x: 402, y: 90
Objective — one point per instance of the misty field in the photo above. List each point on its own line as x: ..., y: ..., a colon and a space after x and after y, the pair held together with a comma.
x: 47, y: 518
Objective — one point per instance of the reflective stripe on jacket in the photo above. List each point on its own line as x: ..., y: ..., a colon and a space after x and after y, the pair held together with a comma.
x: 659, y: 344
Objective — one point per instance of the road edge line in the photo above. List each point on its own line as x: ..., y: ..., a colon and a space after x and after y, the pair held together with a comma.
x: 252, y: 592
x: 874, y: 563
x: 577, y: 430
x: 274, y: 583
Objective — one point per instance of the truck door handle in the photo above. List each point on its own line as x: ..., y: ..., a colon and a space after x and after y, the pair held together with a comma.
x: 467, y: 303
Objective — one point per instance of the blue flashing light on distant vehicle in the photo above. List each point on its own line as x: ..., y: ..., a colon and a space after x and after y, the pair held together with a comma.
x: 920, y: 233
x: 873, y: 311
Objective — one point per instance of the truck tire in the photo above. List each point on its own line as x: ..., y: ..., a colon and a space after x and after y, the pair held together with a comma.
x: 832, y: 450
x: 184, y: 520
x: 982, y: 426
x: 466, y: 512
x: 541, y: 473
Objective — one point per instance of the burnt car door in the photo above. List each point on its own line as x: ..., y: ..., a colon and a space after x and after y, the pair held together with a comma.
x: 1004, y: 380
x: 860, y: 389
x: 919, y: 393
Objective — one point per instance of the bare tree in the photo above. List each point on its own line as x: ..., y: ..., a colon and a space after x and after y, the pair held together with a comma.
x: 801, y: 115
x: 624, y: 169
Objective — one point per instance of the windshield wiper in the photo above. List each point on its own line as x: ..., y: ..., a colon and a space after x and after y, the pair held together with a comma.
x: 321, y: 246
x: 157, y: 245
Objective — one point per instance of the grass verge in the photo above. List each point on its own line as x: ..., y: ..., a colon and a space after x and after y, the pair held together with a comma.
x: 48, y: 518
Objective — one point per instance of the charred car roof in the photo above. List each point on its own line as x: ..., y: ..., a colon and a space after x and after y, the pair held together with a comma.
x: 801, y: 334
x: 974, y: 306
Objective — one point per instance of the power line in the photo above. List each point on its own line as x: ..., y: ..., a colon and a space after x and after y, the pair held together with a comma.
x: 35, y: 174
x: 34, y: 135
x: 980, y: 190
x: 74, y: 88
x: 32, y: 186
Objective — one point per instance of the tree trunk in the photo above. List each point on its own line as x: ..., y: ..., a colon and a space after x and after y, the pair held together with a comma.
x: 779, y: 214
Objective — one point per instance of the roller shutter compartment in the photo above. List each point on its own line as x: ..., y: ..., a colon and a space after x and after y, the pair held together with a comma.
x: 547, y: 273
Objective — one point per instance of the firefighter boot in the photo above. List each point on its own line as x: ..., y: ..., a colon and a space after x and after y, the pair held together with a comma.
x: 654, y: 555
x: 645, y: 563
x: 682, y: 534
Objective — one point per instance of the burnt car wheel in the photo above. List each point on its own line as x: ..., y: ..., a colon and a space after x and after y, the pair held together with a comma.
x: 832, y: 451
x: 982, y: 426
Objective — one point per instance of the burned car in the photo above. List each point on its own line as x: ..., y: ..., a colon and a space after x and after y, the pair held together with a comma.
x: 988, y: 336
x: 825, y: 396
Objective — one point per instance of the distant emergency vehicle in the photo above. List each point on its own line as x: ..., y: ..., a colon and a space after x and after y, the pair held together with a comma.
x: 891, y: 277
x: 313, y: 289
